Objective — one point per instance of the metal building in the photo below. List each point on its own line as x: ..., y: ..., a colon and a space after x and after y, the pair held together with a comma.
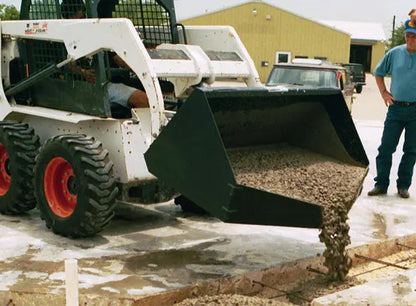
x: 367, y: 41
x: 273, y: 35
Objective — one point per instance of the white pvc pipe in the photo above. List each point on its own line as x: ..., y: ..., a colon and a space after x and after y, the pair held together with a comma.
x: 71, y: 282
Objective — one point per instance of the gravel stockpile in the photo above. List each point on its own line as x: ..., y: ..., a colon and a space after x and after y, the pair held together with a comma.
x: 311, y: 177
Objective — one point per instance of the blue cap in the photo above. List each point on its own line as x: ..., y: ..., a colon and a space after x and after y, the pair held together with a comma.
x: 410, y: 27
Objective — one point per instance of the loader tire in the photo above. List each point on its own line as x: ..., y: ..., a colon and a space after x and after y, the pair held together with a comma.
x: 75, y: 188
x: 18, y: 149
x: 359, y: 88
x: 188, y: 206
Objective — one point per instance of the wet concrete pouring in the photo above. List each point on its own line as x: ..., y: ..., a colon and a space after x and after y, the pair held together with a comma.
x: 160, y: 255
x: 312, y: 177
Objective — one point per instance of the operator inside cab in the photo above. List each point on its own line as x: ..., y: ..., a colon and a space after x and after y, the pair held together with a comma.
x: 118, y: 92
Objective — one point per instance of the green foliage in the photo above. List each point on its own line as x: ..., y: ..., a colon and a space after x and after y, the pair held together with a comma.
x: 397, y: 37
x: 8, y: 12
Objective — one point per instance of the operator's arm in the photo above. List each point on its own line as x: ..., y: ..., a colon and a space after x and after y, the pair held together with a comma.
x: 119, y: 62
x: 385, y: 94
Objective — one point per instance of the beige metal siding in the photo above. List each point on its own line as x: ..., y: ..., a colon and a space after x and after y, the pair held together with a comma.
x: 377, y: 54
x: 266, y: 30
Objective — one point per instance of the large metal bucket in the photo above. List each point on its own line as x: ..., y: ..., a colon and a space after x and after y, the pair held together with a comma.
x: 191, y: 153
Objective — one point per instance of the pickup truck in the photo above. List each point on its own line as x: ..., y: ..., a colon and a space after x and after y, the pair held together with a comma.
x: 358, y: 75
x: 312, y: 73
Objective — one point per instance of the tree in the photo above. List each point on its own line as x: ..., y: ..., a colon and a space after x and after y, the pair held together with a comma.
x: 8, y: 12
x: 397, y: 37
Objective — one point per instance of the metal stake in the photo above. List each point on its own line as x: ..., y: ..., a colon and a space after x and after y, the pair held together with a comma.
x: 315, y: 271
x: 381, y: 262
x: 285, y: 292
x: 406, y: 246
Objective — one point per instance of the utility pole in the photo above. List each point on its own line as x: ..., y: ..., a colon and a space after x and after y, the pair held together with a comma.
x: 393, y: 31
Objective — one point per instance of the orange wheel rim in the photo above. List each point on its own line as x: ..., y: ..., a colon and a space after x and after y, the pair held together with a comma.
x: 5, y: 176
x: 59, y: 186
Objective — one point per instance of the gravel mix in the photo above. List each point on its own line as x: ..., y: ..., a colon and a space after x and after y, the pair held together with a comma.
x: 311, y: 177
x: 230, y: 300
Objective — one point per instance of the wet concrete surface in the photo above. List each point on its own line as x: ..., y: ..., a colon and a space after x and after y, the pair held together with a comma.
x: 152, y: 249
x: 394, y: 290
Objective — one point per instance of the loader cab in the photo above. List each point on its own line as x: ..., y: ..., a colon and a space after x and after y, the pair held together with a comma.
x: 154, y: 20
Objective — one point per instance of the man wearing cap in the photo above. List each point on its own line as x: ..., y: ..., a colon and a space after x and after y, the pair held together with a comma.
x: 400, y: 63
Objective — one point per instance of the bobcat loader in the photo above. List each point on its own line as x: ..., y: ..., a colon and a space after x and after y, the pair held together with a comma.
x: 65, y: 148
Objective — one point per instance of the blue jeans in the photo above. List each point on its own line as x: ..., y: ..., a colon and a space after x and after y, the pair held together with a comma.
x: 398, y: 118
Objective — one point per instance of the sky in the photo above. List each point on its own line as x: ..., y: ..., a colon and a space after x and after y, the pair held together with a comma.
x: 16, y: 3
x: 346, y: 10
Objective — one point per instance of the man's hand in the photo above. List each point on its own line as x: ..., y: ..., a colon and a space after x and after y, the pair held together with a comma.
x: 387, y: 98
x: 88, y: 75
x: 385, y: 94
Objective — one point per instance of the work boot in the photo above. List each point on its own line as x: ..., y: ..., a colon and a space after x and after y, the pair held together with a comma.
x: 403, y: 193
x: 376, y: 191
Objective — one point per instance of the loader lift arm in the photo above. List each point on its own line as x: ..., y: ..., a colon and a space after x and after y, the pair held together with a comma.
x: 202, y: 62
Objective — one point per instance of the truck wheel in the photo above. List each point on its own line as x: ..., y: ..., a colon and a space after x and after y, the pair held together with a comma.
x: 189, y: 207
x: 74, y: 186
x: 359, y: 88
x: 18, y: 149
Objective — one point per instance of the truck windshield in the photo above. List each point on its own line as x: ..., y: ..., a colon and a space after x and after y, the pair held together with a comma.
x: 318, y: 78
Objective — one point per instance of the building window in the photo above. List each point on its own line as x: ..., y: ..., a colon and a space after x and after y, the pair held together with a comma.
x: 324, y: 58
x: 282, y: 57
x: 301, y: 56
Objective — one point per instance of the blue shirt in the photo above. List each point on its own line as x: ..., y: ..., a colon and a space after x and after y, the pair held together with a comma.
x: 401, y: 65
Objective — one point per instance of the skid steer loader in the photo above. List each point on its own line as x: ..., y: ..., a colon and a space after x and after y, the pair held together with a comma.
x: 65, y: 148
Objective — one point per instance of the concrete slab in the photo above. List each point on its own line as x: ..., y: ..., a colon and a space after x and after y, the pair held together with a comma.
x: 163, y: 250
x: 384, y: 216
x: 150, y: 250
x: 397, y: 290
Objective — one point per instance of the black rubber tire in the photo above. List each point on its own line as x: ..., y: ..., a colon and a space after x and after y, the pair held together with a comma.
x: 94, y: 185
x: 359, y: 88
x: 21, y: 145
x: 188, y: 206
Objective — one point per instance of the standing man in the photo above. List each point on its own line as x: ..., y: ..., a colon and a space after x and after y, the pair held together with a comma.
x: 400, y: 63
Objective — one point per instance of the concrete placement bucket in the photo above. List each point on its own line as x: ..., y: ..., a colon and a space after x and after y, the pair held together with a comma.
x: 195, y: 152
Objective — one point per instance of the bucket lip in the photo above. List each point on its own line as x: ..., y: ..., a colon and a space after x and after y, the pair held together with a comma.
x: 235, y: 91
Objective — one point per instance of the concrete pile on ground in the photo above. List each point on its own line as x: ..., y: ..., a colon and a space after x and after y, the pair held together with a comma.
x: 230, y: 300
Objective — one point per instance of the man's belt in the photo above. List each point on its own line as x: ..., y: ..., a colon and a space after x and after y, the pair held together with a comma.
x: 404, y: 103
